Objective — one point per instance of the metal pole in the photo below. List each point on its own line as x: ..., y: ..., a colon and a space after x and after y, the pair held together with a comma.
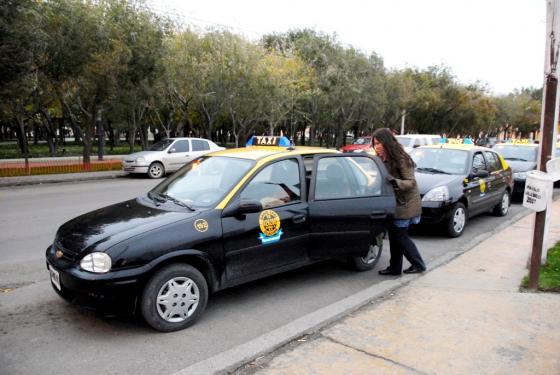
x: 402, y: 121
x: 550, y: 105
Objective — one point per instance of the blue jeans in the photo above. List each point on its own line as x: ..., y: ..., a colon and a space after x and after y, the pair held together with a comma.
x: 401, y: 245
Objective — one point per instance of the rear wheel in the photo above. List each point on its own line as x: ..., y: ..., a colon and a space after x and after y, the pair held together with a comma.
x: 457, y: 221
x: 502, y: 208
x: 156, y: 170
x: 370, y: 259
x: 174, y: 298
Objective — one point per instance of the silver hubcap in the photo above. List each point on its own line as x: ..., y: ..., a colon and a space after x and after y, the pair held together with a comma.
x: 459, y: 220
x: 372, y: 254
x: 177, y: 299
x: 155, y: 170
x: 505, y: 203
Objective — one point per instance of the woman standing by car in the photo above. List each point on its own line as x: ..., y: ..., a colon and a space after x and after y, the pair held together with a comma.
x: 409, y: 207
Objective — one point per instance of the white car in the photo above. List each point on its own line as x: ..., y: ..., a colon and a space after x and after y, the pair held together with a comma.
x: 168, y: 155
x: 411, y: 141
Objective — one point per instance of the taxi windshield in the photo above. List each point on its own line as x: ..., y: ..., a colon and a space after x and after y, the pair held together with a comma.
x: 517, y: 153
x: 362, y: 141
x: 203, y: 182
x: 440, y: 160
x: 161, y: 145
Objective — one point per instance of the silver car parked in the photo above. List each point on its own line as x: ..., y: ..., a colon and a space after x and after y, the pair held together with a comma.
x: 168, y: 155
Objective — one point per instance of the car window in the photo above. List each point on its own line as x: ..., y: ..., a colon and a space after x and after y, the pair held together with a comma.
x: 181, y: 146
x: 275, y: 185
x: 199, y: 145
x: 478, y: 162
x: 203, y: 182
x: 366, y: 175
x: 339, y: 178
x: 405, y: 141
x: 161, y: 145
x: 362, y: 141
x: 492, y: 161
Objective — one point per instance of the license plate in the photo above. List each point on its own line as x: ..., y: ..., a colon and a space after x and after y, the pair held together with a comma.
x: 55, y: 277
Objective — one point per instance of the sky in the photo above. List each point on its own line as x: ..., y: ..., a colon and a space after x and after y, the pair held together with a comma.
x: 499, y: 43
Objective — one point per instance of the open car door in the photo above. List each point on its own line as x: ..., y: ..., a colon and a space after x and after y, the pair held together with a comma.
x: 350, y: 204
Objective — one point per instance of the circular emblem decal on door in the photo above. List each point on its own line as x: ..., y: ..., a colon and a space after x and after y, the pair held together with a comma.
x: 269, y: 222
x: 201, y: 225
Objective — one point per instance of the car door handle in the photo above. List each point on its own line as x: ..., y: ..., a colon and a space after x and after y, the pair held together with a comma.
x: 297, y: 219
x: 378, y: 214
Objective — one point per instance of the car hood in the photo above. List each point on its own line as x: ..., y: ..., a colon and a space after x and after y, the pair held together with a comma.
x: 143, y: 154
x: 521, y: 166
x: 110, y: 225
x: 428, y: 181
x: 355, y: 147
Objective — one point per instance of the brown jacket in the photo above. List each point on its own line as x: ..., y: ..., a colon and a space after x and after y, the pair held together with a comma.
x: 409, y: 204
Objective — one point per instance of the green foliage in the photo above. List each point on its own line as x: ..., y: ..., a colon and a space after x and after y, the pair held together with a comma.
x: 117, y: 65
x: 549, y: 276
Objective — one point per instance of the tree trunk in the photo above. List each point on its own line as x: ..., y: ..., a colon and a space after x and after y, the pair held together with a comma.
x: 100, y: 138
x: 50, y: 133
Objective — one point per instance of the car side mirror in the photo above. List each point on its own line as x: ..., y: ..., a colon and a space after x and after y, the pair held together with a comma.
x: 480, y: 173
x: 172, y: 150
x: 242, y: 207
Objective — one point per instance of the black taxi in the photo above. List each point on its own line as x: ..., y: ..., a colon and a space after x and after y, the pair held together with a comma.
x: 226, y: 218
x: 522, y: 158
x: 458, y: 181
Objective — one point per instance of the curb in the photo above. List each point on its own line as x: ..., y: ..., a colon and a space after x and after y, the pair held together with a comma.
x: 235, y: 358
x: 43, y: 179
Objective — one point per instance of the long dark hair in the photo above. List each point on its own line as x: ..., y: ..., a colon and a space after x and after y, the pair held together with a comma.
x: 393, y: 149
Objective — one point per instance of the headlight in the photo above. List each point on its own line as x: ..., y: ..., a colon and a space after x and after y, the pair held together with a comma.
x: 520, y: 175
x: 96, y: 262
x: 140, y: 160
x: 438, y: 194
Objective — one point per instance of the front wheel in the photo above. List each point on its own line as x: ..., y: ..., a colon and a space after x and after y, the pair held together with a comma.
x: 174, y: 298
x: 457, y: 221
x: 502, y: 208
x: 156, y: 170
x: 371, y: 258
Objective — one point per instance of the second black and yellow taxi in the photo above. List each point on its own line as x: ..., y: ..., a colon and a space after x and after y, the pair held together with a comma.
x: 227, y: 218
x: 458, y: 181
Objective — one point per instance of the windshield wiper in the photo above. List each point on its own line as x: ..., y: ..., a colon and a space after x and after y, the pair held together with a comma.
x: 176, y: 201
x: 519, y: 159
x: 155, y: 198
x: 433, y: 170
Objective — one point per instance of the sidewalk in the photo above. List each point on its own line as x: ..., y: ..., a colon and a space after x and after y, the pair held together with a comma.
x: 466, y: 317
x: 6, y: 182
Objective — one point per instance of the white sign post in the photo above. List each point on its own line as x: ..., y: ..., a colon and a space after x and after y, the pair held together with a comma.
x: 538, y: 191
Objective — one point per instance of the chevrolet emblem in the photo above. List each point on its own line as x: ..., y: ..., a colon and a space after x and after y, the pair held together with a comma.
x: 58, y: 253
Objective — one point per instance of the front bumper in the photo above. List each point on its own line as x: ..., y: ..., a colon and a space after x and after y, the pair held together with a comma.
x: 518, y: 186
x: 113, y: 292
x: 436, y: 212
x: 130, y: 167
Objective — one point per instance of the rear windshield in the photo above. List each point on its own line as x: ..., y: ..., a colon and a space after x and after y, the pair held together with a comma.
x: 362, y: 141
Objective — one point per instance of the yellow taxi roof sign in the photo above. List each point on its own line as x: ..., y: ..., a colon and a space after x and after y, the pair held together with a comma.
x: 258, y: 140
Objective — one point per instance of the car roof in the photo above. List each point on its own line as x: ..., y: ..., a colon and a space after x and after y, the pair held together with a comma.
x: 183, y: 138
x: 462, y: 146
x: 518, y: 144
x: 419, y: 135
x: 270, y: 152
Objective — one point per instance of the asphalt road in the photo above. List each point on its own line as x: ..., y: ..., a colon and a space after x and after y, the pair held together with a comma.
x: 41, y: 334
